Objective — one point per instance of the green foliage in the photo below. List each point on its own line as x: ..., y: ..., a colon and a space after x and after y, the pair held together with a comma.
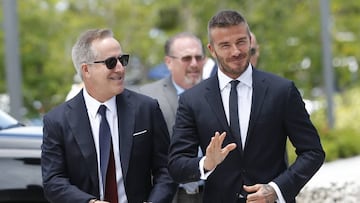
x: 344, y: 140
x: 288, y: 33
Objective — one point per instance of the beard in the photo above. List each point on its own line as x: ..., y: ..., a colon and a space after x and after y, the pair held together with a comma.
x: 191, y: 81
x: 231, y: 71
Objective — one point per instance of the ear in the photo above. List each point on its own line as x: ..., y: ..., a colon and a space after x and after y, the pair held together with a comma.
x: 85, y: 70
x: 211, y: 50
x: 167, y: 61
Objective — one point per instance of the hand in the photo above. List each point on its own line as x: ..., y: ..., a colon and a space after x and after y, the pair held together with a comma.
x: 214, y: 153
x: 260, y: 193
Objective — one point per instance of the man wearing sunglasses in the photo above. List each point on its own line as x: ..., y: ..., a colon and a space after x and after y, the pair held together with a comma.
x: 185, y: 58
x: 106, y: 144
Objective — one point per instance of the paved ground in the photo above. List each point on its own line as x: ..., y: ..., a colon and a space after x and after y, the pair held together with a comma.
x: 340, y: 171
x: 335, y: 182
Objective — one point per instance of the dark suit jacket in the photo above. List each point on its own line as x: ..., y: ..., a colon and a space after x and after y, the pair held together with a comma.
x: 69, y: 163
x: 277, y: 113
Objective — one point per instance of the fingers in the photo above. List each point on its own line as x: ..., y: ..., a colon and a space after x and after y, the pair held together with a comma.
x: 261, y: 193
x: 228, y: 148
x: 215, y: 154
x: 253, y: 192
x: 251, y: 188
x: 213, y: 141
x: 218, y: 139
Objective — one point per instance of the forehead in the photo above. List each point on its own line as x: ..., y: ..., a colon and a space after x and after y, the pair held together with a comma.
x: 187, y: 45
x: 229, y: 34
x: 107, y: 47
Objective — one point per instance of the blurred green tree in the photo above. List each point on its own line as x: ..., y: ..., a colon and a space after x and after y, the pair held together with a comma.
x: 288, y: 33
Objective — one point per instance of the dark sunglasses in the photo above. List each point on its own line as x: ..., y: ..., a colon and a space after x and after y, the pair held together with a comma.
x: 112, y: 61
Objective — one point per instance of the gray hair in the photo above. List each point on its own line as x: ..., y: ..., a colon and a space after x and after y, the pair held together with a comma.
x: 226, y: 18
x: 82, y: 51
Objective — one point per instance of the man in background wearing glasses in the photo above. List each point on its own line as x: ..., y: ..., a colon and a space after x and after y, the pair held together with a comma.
x: 185, y: 58
x: 106, y: 144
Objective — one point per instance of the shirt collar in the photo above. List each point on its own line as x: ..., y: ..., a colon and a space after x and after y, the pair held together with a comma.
x: 245, y: 78
x: 93, y: 105
x: 179, y: 89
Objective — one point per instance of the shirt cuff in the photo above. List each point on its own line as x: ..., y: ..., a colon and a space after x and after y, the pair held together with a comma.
x: 204, y: 175
x: 280, y: 198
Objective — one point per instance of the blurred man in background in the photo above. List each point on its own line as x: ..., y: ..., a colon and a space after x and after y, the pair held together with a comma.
x: 185, y: 58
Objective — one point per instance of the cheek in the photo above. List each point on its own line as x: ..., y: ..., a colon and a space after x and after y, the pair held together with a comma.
x: 179, y: 71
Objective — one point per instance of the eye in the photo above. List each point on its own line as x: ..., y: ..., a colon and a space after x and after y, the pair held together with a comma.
x: 224, y: 46
x: 186, y: 58
x: 111, y: 62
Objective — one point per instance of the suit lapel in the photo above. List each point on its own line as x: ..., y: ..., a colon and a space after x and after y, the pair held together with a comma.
x: 79, y: 123
x: 170, y: 94
x: 126, y: 122
x: 213, y: 97
x: 259, y: 92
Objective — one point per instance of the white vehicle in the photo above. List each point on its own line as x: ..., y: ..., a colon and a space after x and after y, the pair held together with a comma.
x: 20, y: 170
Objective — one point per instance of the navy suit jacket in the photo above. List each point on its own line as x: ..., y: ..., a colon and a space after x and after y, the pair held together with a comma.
x: 277, y: 113
x: 69, y: 160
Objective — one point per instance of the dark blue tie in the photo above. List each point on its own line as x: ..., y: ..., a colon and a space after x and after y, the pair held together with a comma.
x: 233, y: 110
x: 107, y: 162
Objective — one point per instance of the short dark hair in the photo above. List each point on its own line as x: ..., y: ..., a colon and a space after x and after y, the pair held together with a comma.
x: 226, y: 18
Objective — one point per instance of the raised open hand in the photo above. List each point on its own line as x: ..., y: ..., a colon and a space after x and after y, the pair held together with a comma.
x: 214, y: 153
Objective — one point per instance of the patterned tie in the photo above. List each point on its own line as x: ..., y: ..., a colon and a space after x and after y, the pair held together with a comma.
x: 107, y: 162
x: 233, y: 110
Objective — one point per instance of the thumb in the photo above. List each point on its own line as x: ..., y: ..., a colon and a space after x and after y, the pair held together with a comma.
x: 229, y: 147
x: 251, y: 188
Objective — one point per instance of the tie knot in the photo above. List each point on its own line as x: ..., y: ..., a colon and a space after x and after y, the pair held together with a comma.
x: 102, y: 110
x: 234, y: 83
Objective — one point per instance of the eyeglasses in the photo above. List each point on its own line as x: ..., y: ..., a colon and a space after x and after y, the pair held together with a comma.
x: 112, y: 61
x: 188, y: 59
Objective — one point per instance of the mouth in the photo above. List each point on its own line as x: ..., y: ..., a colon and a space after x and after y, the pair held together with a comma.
x: 239, y: 59
x: 194, y: 74
x: 116, y: 78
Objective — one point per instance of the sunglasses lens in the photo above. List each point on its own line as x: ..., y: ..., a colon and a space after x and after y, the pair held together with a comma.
x: 111, y: 62
x: 124, y: 59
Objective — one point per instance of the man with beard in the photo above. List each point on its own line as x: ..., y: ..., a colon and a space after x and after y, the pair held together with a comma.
x: 185, y: 58
x: 241, y: 118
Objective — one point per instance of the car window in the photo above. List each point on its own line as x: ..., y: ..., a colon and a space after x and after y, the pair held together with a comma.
x: 7, y: 121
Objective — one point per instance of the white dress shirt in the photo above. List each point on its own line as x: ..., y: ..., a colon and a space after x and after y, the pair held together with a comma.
x: 244, y: 89
x: 92, y: 106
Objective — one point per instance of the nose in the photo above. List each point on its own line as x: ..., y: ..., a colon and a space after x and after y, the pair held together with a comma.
x: 194, y: 62
x: 235, y: 50
x: 119, y: 66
